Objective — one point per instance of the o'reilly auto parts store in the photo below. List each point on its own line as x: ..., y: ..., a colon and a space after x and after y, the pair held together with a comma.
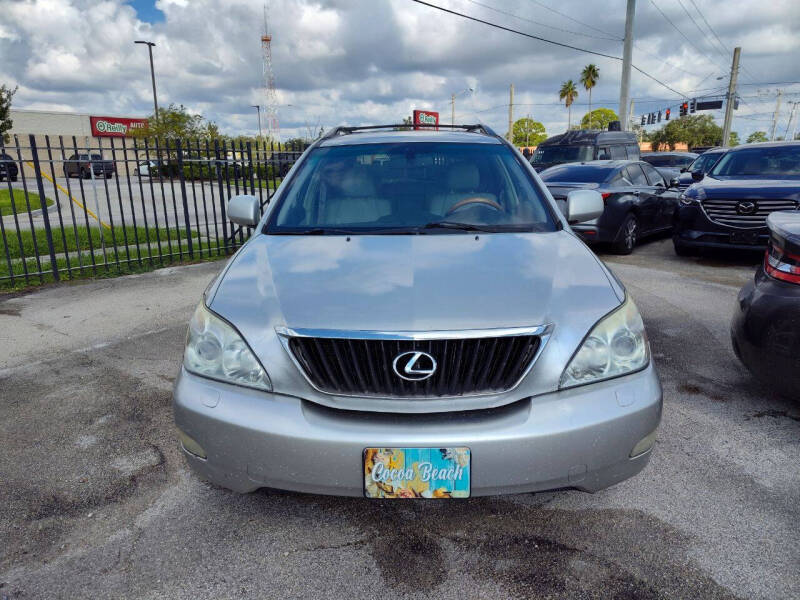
x: 87, y: 129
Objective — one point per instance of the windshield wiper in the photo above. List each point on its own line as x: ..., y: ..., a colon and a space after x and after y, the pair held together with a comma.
x: 340, y: 231
x: 459, y: 226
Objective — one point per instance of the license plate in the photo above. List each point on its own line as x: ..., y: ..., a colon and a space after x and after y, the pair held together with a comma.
x: 417, y: 472
x: 744, y: 238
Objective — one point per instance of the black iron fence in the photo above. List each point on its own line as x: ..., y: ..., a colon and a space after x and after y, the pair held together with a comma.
x: 121, y: 205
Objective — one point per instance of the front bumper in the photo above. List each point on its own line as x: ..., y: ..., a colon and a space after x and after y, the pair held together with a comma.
x: 580, y: 438
x: 693, y: 229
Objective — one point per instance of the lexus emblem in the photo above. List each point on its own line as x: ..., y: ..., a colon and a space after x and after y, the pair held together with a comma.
x: 414, y: 365
x: 746, y: 207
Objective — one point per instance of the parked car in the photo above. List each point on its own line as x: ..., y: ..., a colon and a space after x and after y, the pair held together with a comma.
x: 146, y: 167
x: 728, y: 207
x: 638, y: 201
x: 701, y: 164
x: 765, y: 331
x: 585, y: 144
x: 82, y: 165
x: 414, y: 317
x: 669, y: 164
x: 8, y: 168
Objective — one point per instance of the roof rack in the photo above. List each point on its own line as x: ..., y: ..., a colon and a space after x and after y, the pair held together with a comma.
x: 345, y: 130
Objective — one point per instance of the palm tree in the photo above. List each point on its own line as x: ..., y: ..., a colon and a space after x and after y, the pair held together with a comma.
x: 589, y: 77
x: 568, y: 93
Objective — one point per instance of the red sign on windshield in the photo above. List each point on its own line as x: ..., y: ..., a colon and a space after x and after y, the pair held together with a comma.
x: 115, y: 126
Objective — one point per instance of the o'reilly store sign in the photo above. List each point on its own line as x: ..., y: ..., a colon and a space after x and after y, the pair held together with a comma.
x: 115, y: 126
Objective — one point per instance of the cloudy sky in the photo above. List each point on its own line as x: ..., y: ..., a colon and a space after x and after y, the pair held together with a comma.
x: 371, y: 61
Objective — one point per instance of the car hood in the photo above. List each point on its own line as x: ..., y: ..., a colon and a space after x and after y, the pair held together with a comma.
x: 766, y: 189
x: 414, y: 283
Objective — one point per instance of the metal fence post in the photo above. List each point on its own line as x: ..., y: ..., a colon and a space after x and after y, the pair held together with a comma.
x: 43, y: 203
x: 223, y: 216
x: 187, y: 222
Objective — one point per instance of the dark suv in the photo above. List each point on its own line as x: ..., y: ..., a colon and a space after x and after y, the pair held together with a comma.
x: 581, y: 145
x: 728, y: 207
x: 8, y: 168
x: 82, y: 165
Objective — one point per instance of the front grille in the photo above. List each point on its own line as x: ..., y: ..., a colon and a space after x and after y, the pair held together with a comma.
x: 364, y: 367
x: 724, y: 211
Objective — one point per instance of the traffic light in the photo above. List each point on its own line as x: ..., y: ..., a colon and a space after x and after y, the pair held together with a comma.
x: 643, y: 121
x: 659, y: 116
x: 666, y: 115
x: 684, y: 108
x: 693, y: 105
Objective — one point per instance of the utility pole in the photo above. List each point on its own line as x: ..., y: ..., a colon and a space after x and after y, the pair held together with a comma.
x: 152, y: 74
x: 789, y: 122
x: 627, y: 57
x: 258, y: 108
x: 511, y: 113
x: 794, y: 129
x: 776, y: 115
x: 453, y: 109
x: 630, y: 117
x: 730, y: 99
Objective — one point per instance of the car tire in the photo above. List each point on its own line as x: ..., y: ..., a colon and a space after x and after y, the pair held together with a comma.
x: 627, y: 236
x: 682, y: 250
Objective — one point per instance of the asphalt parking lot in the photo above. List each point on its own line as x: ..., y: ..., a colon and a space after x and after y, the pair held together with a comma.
x: 95, y: 501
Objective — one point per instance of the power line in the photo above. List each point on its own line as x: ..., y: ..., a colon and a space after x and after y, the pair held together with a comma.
x: 503, y: 12
x: 703, y: 33
x: 683, y: 34
x: 541, y: 39
x: 553, y: 10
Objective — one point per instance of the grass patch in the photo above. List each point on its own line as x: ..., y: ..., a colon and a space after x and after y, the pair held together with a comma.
x: 19, y: 205
x: 78, y: 238
x: 101, y: 270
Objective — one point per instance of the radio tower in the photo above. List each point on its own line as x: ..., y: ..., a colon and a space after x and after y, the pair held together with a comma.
x: 271, y: 105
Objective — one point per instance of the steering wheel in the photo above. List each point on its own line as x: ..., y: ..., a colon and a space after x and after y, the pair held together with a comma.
x: 473, y: 200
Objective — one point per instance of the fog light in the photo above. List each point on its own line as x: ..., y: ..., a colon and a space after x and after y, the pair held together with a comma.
x: 644, y: 444
x: 190, y: 445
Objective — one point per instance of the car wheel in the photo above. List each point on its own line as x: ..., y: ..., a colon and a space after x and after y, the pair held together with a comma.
x: 682, y: 250
x: 627, y: 236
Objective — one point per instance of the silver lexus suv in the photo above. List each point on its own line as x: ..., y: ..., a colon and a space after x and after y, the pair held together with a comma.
x: 414, y: 318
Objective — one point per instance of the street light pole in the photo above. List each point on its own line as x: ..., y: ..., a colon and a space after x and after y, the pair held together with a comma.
x: 152, y: 74
x: 627, y: 56
x: 258, y: 108
x: 453, y: 104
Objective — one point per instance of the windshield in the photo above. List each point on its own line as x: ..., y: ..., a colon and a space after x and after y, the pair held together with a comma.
x: 561, y: 154
x: 576, y: 174
x: 659, y: 161
x: 769, y: 162
x: 410, y: 188
x: 704, y: 162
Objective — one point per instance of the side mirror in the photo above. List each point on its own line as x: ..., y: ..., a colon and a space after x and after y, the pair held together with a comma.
x: 684, y: 169
x: 244, y: 210
x: 674, y: 182
x: 584, y: 205
x: 697, y: 175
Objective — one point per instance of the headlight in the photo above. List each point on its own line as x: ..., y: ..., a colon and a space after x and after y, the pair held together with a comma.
x: 215, y: 350
x: 616, y: 346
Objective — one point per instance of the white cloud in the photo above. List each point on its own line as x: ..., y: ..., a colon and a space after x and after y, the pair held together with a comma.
x: 349, y: 61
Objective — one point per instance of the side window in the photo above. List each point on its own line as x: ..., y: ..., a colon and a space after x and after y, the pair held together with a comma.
x: 603, y: 153
x: 635, y: 174
x: 618, y: 152
x: 633, y: 151
x: 619, y: 180
x: 653, y: 176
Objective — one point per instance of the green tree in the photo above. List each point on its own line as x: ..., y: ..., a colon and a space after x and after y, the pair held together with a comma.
x: 733, y: 139
x: 568, y: 93
x: 589, y: 77
x: 599, y: 118
x: 693, y: 130
x: 528, y: 132
x: 757, y: 136
x: 6, y: 93
x: 177, y: 122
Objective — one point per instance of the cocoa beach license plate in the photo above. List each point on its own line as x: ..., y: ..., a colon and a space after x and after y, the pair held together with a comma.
x: 417, y: 472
